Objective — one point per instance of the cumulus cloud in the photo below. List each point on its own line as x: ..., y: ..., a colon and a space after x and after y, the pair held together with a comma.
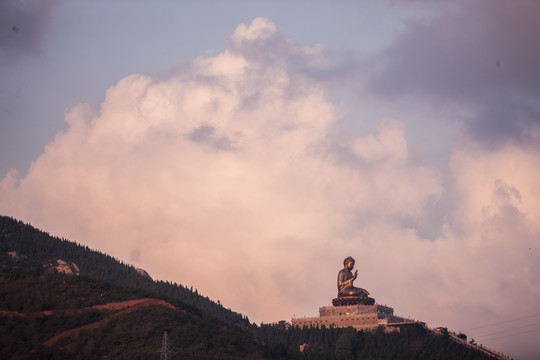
x: 225, y: 167
x: 226, y: 177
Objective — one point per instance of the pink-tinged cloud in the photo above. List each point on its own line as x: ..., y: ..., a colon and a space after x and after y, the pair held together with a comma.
x: 226, y: 177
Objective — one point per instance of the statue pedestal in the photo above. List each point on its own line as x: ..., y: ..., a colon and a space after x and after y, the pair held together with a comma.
x: 352, y: 300
x: 360, y: 317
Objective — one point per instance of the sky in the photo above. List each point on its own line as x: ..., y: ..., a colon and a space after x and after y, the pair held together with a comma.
x: 245, y: 148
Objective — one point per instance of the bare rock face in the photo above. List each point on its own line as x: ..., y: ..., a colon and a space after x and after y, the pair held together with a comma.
x: 64, y: 267
x: 15, y: 256
x: 143, y: 272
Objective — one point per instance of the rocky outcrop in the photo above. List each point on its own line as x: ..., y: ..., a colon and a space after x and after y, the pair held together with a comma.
x: 64, y: 267
x: 16, y: 257
x: 143, y: 272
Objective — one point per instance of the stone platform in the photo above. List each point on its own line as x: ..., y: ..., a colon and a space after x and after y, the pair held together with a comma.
x: 361, y: 317
x: 352, y: 300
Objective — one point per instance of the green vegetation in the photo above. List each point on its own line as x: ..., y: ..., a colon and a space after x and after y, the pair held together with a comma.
x: 36, y: 248
x: 117, y: 333
x: 412, y: 342
x: 35, y: 290
x: 47, y: 315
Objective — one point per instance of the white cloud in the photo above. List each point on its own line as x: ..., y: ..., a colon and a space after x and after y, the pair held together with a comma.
x: 492, y: 181
x: 389, y: 143
x: 225, y: 165
x: 260, y: 28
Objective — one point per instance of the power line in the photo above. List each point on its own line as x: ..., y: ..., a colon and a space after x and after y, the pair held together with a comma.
x: 502, y: 322
x: 509, y: 335
x: 507, y: 330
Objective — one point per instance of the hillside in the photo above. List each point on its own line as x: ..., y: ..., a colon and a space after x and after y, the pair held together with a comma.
x: 24, y: 245
x: 112, y: 311
x: 56, y: 316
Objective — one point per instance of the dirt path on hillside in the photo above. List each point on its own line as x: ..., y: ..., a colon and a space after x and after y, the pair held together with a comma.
x: 125, y: 307
x: 109, y: 306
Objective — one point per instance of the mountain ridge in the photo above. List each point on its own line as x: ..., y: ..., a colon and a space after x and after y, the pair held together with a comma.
x: 33, y: 247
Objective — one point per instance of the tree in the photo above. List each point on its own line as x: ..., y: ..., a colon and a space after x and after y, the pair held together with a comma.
x: 346, y: 345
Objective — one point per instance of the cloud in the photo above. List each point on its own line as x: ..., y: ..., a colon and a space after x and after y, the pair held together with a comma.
x: 389, y: 143
x: 481, y: 54
x: 496, y: 217
x: 229, y: 177
x: 226, y: 166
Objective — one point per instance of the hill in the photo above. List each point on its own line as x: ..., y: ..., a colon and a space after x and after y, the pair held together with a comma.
x: 24, y: 245
x: 50, y: 315
x: 112, y: 311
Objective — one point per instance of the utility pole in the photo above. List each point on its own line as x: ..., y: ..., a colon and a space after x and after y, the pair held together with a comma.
x: 165, y: 351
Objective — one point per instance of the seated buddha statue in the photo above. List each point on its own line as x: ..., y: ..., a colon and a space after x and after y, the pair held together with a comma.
x: 345, y: 281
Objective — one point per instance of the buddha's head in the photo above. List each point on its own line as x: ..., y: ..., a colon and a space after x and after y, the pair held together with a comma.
x: 348, y: 263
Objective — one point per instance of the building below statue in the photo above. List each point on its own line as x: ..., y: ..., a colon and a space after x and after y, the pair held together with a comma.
x: 360, y: 317
x: 352, y: 307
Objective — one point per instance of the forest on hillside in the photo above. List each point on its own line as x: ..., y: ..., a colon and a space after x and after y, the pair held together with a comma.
x: 37, y: 248
x: 38, y: 304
